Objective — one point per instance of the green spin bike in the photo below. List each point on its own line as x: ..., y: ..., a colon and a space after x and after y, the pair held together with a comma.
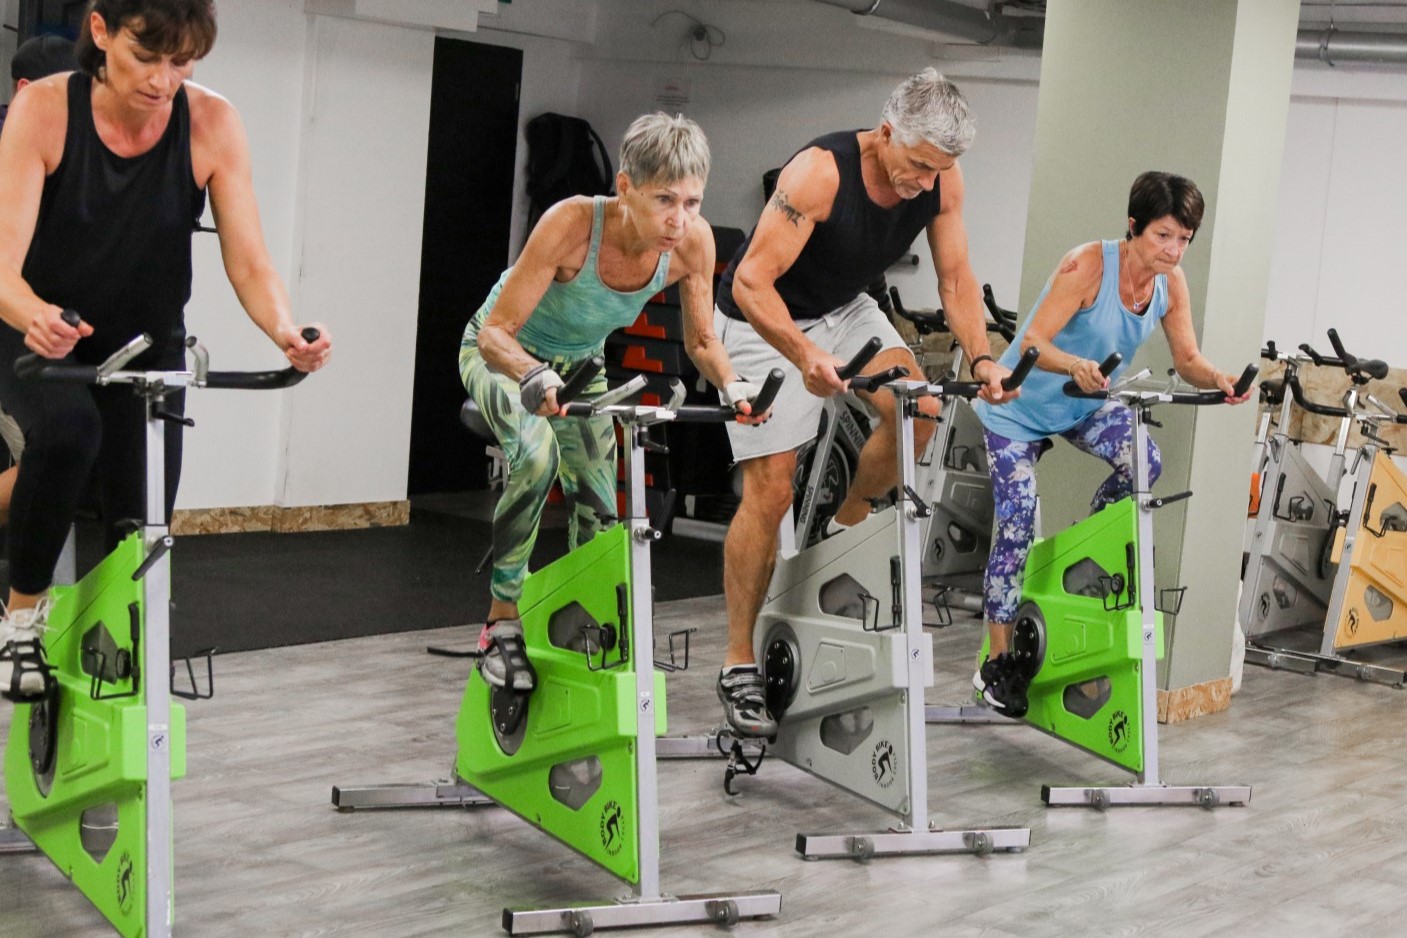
x: 88, y: 768
x: 576, y: 756
x: 1089, y: 631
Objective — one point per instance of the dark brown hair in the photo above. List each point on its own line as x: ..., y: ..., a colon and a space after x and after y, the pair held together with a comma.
x: 167, y: 27
x: 1157, y: 194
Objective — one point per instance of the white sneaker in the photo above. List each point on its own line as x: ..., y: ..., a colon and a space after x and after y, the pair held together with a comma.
x: 24, y: 674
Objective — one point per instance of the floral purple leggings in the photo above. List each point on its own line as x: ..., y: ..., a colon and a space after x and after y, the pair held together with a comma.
x: 1108, y: 434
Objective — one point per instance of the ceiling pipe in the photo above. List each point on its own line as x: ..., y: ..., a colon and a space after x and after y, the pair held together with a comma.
x: 1332, y: 46
x: 984, y: 27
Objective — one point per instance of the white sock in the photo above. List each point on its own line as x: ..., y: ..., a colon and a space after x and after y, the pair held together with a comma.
x: 834, y: 527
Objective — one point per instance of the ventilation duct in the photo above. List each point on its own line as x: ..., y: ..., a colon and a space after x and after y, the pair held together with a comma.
x: 1333, y: 46
x: 989, y: 26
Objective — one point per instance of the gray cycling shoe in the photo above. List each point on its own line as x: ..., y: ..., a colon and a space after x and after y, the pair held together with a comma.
x: 505, y: 657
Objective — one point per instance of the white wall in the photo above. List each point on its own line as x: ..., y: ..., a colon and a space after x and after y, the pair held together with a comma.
x: 790, y: 71
x: 337, y: 112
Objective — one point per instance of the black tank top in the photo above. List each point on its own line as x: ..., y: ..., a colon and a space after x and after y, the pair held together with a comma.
x: 113, y: 239
x: 849, y: 250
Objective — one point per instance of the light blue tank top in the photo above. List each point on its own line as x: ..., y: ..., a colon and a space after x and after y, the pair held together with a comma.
x: 1093, y: 332
x: 572, y: 319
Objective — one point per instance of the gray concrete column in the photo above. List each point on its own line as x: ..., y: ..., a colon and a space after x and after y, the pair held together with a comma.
x: 1201, y: 89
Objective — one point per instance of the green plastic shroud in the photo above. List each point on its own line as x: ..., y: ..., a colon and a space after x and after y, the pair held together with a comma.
x: 569, y: 769
x: 1088, y: 689
x: 88, y: 813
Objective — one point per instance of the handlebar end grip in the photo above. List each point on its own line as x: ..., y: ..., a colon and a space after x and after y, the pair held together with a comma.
x: 1022, y: 369
x: 769, y: 391
x: 28, y: 365
x: 1243, y: 384
x: 71, y: 317
x: 1106, y: 367
x: 862, y: 358
x: 1402, y: 394
x: 310, y: 335
x: 579, y: 379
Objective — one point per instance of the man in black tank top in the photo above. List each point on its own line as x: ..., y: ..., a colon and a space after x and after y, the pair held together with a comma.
x: 104, y: 175
x: 846, y: 207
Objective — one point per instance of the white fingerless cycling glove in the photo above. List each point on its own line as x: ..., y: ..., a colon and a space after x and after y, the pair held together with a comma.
x: 533, y: 386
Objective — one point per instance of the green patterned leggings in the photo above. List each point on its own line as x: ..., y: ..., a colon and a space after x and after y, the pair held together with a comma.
x: 579, y: 450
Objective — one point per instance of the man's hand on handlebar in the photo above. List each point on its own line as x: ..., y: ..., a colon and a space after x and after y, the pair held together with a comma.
x: 818, y: 373
x: 302, y: 354
x: 992, y: 373
x: 55, y: 331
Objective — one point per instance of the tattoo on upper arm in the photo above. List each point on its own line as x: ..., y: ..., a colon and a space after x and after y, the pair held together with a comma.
x: 780, y: 203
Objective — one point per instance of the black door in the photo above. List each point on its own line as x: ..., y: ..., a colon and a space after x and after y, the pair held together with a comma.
x: 468, y: 210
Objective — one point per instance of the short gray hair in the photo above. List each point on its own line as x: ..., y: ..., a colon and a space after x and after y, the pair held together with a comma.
x: 660, y: 148
x: 928, y: 107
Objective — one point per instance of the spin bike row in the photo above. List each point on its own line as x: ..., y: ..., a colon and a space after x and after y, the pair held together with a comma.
x: 846, y: 659
x: 1326, y: 553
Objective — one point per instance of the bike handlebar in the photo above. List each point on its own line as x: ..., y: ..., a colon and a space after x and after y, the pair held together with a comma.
x: 33, y: 365
x: 1239, y: 389
x: 970, y: 389
x: 1371, y: 367
x: 694, y: 413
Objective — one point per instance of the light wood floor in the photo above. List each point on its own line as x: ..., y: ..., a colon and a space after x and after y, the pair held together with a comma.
x: 1320, y: 851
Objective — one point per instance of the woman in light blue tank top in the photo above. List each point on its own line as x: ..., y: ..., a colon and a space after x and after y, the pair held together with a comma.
x: 587, y: 269
x: 1105, y: 297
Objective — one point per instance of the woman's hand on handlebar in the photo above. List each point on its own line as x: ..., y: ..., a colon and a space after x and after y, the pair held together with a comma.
x: 55, y: 331
x: 302, y: 354
x: 1226, y: 384
x: 1087, y: 375
x: 739, y: 395
x: 992, y: 373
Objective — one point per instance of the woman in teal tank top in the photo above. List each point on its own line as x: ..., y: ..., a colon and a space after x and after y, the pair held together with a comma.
x: 586, y: 270
x: 1106, y: 296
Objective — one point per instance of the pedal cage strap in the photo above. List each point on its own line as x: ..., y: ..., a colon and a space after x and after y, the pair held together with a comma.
x: 25, y: 657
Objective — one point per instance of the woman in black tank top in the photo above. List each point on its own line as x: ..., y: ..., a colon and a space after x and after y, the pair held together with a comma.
x: 104, y: 174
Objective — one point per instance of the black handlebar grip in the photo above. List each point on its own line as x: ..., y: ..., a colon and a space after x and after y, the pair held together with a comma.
x: 1023, y: 368
x: 769, y: 391
x: 578, y: 409
x: 1243, y: 384
x: 310, y: 335
x: 1347, y: 359
x: 580, y: 378
x: 862, y: 358
x: 1106, y: 367
x: 1402, y: 394
x: 879, y: 379
x: 1372, y: 367
x: 898, y: 304
x: 1270, y: 352
x: 71, y: 317
x: 990, y: 299
x: 28, y: 364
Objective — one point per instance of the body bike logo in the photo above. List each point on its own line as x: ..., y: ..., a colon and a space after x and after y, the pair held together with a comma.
x: 1119, y: 730
x: 125, y: 889
x: 882, y: 763
x: 1352, y: 621
x: 612, y: 835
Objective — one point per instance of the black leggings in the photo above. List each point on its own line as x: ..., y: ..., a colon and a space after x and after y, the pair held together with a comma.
x: 69, y: 429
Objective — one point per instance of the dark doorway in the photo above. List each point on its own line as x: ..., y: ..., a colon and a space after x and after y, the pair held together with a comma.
x: 468, y: 210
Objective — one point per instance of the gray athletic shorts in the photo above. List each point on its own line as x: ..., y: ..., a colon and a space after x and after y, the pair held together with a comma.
x: 796, y: 416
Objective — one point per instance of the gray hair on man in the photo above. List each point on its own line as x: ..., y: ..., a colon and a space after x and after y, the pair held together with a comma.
x: 660, y: 148
x: 928, y: 107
